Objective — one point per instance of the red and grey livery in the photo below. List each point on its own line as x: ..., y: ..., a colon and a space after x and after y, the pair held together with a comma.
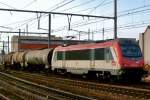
x: 120, y: 58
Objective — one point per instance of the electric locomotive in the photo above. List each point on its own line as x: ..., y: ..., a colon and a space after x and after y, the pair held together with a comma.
x: 113, y: 59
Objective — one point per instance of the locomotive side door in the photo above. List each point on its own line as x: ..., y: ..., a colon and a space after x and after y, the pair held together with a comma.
x: 64, y: 59
x: 92, y: 58
x: 107, y: 53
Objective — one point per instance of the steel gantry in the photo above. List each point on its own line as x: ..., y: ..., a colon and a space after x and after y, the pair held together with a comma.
x: 69, y: 14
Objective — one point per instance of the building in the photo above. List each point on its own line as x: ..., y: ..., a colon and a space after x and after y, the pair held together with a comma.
x: 144, y: 42
x: 36, y: 42
x: 31, y: 42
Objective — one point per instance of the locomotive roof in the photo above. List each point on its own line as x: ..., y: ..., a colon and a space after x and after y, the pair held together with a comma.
x: 98, y: 44
x: 85, y: 46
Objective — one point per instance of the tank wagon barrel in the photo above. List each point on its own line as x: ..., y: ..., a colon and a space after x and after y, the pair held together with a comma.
x: 39, y: 58
x: 33, y: 59
x: 8, y: 59
x: 18, y: 57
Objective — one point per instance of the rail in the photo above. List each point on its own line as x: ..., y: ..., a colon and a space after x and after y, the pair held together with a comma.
x: 2, y: 97
x: 132, y: 92
x: 36, y: 91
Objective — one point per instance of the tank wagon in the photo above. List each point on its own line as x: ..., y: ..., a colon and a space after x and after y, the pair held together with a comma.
x: 113, y: 59
x: 30, y: 60
x: 18, y: 60
x: 8, y: 59
x: 39, y: 59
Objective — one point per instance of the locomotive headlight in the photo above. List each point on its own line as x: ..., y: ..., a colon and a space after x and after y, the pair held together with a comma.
x: 142, y: 64
x: 125, y: 65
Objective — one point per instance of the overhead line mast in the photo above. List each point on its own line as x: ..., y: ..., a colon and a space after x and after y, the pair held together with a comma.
x: 115, y: 19
x: 57, y: 13
x: 71, y: 14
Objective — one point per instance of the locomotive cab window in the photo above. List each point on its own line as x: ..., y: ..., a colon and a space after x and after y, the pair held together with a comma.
x: 130, y: 51
x: 59, y: 55
x: 78, y: 55
x: 99, y: 54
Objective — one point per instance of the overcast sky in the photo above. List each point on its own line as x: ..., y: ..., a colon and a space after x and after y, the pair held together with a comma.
x: 133, y: 17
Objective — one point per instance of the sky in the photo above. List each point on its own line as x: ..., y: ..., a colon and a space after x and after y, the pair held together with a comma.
x: 133, y: 18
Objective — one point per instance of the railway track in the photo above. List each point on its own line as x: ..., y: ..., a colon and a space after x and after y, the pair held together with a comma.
x: 6, y: 95
x: 88, y: 88
x: 32, y: 91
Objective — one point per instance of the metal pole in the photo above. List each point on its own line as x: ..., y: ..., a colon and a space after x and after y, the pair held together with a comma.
x: 58, y: 13
x: 103, y: 33
x: 19, y: 40
x: 92, y: 36
x: 115, y: 19
x: 49, y: 33
x: 88, y: 34
x: 79, y: 35
x: 8, y: 44
x: 3, y: 52
x: 27, y: 29
x: 3, y: 32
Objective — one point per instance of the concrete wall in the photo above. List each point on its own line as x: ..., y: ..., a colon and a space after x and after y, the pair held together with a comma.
x: 144, y: 42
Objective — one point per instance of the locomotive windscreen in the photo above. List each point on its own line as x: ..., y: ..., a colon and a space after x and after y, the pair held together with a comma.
x: 131, y: 50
